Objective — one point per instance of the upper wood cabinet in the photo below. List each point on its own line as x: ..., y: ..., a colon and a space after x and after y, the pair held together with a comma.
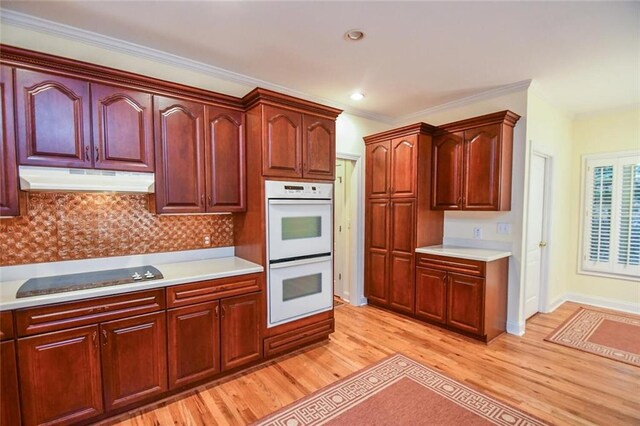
x: 9, y: 203
x: 122, y: 129
x: 225, y: 159
x: 472, y: 163
x: 319, y: 148
x: 53, y: 120
x: 378, y: 158
x: 240, y: 330
x: 392, y: 167
x: 180, y: 156
x: 282, y: 151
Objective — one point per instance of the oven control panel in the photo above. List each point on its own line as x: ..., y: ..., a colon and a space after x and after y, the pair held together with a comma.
x: 280, y: 189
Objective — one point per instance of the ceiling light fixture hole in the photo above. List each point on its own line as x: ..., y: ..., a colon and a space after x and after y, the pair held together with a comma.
x: 354, y: 35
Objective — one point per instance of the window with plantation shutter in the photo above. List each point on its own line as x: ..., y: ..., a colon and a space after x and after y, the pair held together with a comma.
x: 611, y: 224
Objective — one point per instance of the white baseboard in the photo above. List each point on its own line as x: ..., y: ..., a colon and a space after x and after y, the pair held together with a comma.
x: 603, y: 302
x: 552, y: 306
x: 516, y: 328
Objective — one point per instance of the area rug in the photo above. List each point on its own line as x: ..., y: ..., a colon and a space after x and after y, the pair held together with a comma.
x: 398, y: 391
x: 608, y: 334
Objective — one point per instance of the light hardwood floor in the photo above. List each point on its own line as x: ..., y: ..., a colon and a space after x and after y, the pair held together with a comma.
x: 555, y: 383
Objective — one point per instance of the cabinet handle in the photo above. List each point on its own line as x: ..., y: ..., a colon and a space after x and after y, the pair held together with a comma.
x: 223, y: 311
x: 209, y: 199
x: 217, y: 311
x: 97, y: 154
x: 202, y: 199
x: 95, y: 336
x: 86, y: 153
x: 104, y: 335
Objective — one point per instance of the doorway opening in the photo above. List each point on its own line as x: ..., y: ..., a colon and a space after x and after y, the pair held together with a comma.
x: 537, y: 234
x: 345, y: 210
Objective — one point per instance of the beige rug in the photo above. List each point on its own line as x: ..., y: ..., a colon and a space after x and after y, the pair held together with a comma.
x: 398, y: 391
x: 611, y: 335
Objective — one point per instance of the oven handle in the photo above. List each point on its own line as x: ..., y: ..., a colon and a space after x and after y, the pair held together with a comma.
x: 299, y: 262
x: 299, y: 202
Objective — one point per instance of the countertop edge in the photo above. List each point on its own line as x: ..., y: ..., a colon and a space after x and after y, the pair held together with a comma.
x: 489, y: 258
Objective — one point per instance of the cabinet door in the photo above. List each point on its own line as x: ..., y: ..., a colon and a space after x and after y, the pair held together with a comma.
x: 60, y: 381
x: 431, y: 294
x: 53, y: 120
x: 378, y: 180
x: 404, y: 164
x: 179, y: 153
x: 225, y: 160
x: 134, y: 359
x: 465, y: 298
x: 10, y: 401
x: 447, y: 170
x: 194, y: 343
x: 282, y: 150
x: 482, y: 168
x: 122, y: 129
x: 377, y: 249
x: 401, y: 282
x: 9, y: 204
x: 241, y: 340
x: 319, y: 148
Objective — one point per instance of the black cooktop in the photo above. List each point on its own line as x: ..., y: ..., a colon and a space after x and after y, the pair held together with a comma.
x: 85, y: 280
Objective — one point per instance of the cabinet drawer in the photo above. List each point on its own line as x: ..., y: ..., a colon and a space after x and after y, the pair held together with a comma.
x: 31, y: 321
x: 6, y: 325
x: 294, y: 338
x: 205, y: 291
x: 453, y: 264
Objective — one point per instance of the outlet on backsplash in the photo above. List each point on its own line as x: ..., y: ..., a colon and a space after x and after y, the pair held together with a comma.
x: 207, y: 240
x: 477, y: 233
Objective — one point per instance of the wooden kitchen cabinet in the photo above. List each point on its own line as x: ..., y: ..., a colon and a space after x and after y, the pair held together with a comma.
x: 240, y: 330
x: 225, y: 160
x: 431, y: 294
x: 134, y: 359
x: 180, y: 157
x: 401, y: 268
x: 472, y: 163
x: 378, y: 158
x: 465, y: 299
x: 404, y: 164
x: 319, y: 147
x: 9, y: 202
x: 10, y: 400
x: 60, y: 378
x: 53, y: 120
x: 378, y: 253
x: 122, y: 129
x: 193, y: 335
x: 282, y: 150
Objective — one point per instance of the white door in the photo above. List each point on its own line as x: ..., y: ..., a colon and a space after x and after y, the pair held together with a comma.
x: 535, y: 234
x: 339, y: 231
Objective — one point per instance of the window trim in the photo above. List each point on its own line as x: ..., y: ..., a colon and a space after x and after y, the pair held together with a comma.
x: 584, y: 192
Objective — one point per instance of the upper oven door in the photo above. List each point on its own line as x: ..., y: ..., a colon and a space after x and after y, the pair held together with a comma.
x: 299, y: 228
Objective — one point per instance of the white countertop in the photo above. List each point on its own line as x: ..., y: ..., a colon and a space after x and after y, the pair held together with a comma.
x: 484, y: 255
x: 174, y: 273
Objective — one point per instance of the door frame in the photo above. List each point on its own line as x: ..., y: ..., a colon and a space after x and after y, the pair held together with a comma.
x: 543, y: 301
x: 356, y: 233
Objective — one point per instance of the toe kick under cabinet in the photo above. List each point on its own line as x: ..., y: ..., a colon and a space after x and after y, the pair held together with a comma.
x: 469, y: 296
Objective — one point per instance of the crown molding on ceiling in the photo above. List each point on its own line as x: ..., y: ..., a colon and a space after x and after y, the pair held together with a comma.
x: 33, y: 23
x: 487, y: 94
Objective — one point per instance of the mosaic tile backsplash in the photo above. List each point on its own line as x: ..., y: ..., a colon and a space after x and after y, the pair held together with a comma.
x: 67, y: 226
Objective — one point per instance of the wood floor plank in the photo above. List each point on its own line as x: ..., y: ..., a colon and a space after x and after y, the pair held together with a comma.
x: 558, y: 384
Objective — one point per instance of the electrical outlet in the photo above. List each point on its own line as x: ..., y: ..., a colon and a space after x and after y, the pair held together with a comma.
x: 207, y: 240
x: 504, y: 228
x: 477, y: 233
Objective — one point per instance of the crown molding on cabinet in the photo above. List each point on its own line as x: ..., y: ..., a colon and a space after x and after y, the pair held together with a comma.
x: 33, y: 23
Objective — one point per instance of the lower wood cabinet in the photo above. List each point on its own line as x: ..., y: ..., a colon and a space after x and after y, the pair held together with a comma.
x: 465, y: 301
x: 240, y: 330
x: 9, y: 395
x: 431, y: 294
x: 60, y: 377
x: 193, y: 334
x: 134, y: 359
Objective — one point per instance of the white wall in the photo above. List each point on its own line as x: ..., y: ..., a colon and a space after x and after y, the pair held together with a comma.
x: 458, y: 226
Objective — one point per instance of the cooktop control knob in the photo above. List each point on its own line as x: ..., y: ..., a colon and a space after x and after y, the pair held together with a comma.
x: 136, y: 276
x: 148, y: 275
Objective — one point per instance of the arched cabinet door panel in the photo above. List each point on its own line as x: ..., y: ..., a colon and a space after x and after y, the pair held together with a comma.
x: 122, y: 129
x: 53, y: 120
x: 319, y: 148
x: 404, y: 162
x: 447, y: 169
x: 9, y: 203
x: 225, y: 159
x: 282, y: 150
x: 482, y: 168
x: 378, y: 157
x: 179, y: 152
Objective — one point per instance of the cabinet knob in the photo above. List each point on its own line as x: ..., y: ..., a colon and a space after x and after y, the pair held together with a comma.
x: 104, y: 337
x: 97, y: 154
x: 86, y: 153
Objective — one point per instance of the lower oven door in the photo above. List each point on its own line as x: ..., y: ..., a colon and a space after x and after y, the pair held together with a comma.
x: 300, y: 288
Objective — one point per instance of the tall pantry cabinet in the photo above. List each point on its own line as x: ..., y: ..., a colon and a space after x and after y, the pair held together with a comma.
x: 398, y: 213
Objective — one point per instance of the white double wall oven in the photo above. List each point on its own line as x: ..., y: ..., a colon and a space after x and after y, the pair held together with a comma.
x: 299, y: 249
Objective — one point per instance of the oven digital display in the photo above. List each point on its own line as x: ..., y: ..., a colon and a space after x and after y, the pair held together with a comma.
x: 294, y: 228
x: 294, y: 288
x: 293, y: 188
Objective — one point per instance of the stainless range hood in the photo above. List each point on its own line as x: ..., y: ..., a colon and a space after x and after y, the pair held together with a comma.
x: 34, y: 178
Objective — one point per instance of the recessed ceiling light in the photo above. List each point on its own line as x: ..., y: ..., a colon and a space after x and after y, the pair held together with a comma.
x: 354, y: 35
x: 357, y: 96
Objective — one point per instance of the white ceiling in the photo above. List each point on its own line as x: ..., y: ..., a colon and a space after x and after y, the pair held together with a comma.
x: 416, y: 55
